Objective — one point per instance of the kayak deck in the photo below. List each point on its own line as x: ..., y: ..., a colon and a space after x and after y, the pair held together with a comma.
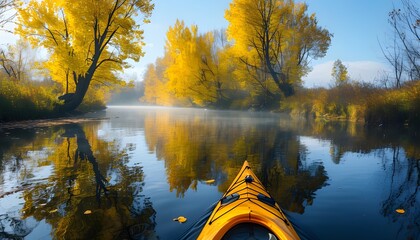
x: 247, y: 203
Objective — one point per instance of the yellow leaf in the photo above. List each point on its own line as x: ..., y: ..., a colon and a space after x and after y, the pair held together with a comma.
x: 400, y: 211
x: 180, y: 219
x: 53, y: 211
x: 87, y: 212
x: 210, y: 181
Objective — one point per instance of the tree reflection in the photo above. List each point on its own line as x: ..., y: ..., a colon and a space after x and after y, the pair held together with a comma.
x: 89, y: 191
x: 84, y: 152
x: 13, y: 228
x: 404, y: 182
x: 207, y: 147
x: 63, y: 171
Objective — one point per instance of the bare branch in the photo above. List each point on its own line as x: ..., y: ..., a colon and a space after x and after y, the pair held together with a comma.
x: 6, y: 14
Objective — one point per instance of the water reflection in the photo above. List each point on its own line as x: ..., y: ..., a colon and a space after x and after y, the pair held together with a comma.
x: 52, y: 176
x: 209, y: 147
x: 403, y: 179
x: 83, y: 152
x: 77, y: 183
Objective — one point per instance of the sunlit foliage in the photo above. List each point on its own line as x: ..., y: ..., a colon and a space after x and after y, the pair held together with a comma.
x: 339, y: 73
x: 261, y: 57
x: 359, y: 102
x: 345, y: 102
x: 156, y: 91
x: 400, y: 106
x: 86, y: 41
x: 274, y: 41
x: 198, y: 71
x: 26, y: 100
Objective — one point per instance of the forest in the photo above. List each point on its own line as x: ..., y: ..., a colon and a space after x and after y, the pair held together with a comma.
x: 257, y: 63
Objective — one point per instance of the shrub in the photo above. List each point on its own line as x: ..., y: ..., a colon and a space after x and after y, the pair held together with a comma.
x: 346, y: 101
x: 397, y: 106
x: 26, y: 100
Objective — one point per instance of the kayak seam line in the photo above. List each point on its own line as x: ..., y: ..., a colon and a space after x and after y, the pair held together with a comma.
x: 279, y: 216
x: 213, y: 220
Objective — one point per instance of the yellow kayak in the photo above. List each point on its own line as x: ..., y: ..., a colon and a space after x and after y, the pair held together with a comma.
x: 247, y: 211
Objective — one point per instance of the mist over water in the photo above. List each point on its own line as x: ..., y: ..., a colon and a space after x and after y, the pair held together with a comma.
x: 132, y: 170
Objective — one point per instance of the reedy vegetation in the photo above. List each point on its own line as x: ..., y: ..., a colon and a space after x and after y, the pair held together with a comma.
x: 359, y: 102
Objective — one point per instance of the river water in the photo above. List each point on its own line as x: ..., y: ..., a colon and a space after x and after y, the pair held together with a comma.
x: 131, y: 170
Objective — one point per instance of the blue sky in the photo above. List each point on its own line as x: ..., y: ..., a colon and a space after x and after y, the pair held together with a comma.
x: 357, y: 26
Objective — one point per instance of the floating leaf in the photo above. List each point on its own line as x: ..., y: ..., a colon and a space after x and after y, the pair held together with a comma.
x: 53, y: 211
x: 87, y: 212
x: 400, y: 211
x: 180, y: 219
x: 210, y: 181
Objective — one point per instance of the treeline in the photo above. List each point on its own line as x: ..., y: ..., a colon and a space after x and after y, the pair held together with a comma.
x: 257, y: 61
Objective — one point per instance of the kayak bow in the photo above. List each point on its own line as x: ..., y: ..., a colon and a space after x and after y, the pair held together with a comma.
x: 247, y: 211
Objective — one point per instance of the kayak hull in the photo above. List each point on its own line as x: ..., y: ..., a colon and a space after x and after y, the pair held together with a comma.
x: 247, y: 202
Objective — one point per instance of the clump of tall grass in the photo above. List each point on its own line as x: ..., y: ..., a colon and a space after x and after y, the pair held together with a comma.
x: 22, y: 100
x: 26, y: 100
x: 346, y: 102
x: 358, y: 102
x: 396, y: 106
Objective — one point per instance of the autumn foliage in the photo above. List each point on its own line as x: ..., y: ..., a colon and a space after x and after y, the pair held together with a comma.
x: 258, y: 60
x: 88, y: 43
x: 359, y: 102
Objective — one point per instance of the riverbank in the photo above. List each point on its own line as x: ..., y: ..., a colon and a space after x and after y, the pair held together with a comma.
x: 30, y: 100
x: 26, y: 124
x: 348, y: 102
x: 358, y: 102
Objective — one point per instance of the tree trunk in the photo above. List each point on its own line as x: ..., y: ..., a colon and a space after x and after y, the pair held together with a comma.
x: 279, y: 78
x: 73, y: 100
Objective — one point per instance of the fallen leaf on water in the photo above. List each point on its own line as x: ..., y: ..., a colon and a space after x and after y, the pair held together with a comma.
x: 400, y: 211
x: 53, y: 211
x: 87, y: 212
x: 180, y: 219
x: 210, y: 181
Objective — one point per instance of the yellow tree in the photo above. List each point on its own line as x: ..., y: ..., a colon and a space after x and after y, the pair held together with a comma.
x: 151, y: 84
x: 155, y: 89
x: 274, y: 40
x: 87, y: 41
x: 198, y: 70
x: 339, y: 73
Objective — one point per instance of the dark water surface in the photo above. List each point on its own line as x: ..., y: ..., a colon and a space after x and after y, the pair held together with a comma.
x: 131, y: 173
